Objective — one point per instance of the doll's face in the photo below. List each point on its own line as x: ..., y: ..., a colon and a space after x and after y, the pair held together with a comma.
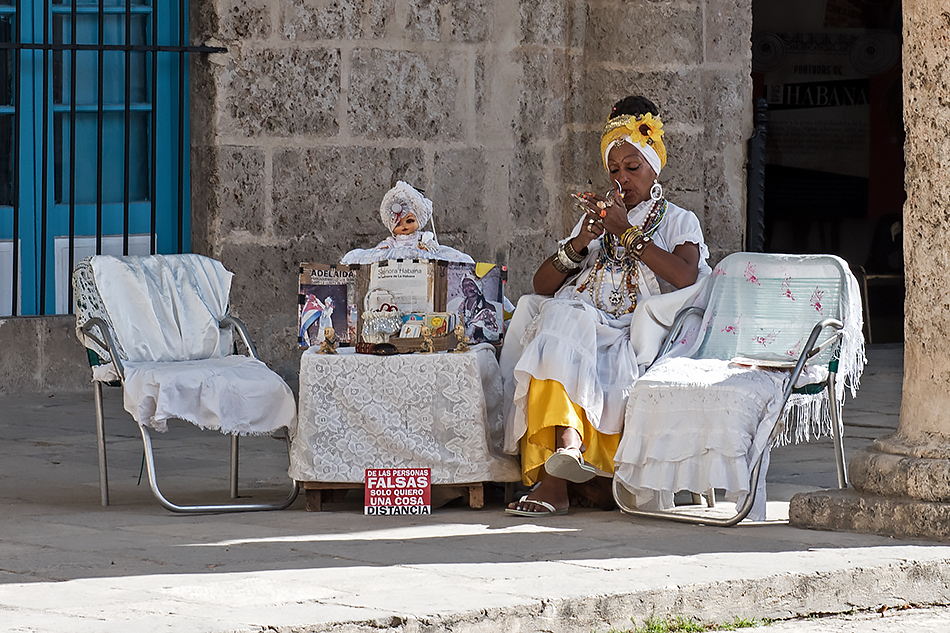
x: 407, y: 224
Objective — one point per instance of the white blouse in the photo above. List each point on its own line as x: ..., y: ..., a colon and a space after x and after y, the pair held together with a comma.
x: 678, y: 226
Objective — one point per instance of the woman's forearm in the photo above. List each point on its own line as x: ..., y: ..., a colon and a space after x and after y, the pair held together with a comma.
x: 679, y: 268
x: 548, y: 279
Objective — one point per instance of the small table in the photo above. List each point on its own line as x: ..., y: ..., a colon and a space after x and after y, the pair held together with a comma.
x: 440, y: 411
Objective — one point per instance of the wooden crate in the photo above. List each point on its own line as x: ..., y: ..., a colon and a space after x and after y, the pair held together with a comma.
x: 317, y: 492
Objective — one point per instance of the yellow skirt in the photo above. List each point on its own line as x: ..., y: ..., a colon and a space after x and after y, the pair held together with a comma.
x: 549, y: 407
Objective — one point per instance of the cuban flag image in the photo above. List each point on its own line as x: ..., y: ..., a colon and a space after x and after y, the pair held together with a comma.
x: 315, y: 310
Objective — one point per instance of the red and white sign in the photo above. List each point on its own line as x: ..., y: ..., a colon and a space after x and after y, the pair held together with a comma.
x: 391, y: 491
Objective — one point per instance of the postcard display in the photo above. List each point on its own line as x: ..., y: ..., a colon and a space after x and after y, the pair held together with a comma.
x: 446, y: 407
x: 398, y: 297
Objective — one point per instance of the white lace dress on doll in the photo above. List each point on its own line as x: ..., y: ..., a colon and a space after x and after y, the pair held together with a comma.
x: 418, y: 245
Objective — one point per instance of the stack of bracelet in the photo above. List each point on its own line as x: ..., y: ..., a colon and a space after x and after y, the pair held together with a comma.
x: 635, y: 242
x: 567, y: 260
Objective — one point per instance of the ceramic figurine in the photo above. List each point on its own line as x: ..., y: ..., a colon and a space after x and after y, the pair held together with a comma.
x: 427, y: 345
x: 330, y: 343
x: 462, y: 345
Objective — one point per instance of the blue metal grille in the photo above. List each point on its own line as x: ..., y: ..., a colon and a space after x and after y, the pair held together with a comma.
x: 93, y: 140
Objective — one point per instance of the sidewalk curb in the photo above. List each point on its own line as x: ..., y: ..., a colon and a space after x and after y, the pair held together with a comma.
x: 778, y: 597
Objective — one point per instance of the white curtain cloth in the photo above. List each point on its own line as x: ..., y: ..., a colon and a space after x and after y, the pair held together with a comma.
x: 165, y: 312
x: 234, y: 394
x: 166, y: 307
x: 695, y: 425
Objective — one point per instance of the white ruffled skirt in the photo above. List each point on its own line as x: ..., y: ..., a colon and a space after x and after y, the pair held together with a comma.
x: 695, y: 425
x: 577, y: 345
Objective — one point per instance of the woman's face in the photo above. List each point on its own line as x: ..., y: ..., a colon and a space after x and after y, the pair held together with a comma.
x: 469, y: 289
x: 626, y: 165
x: 407, y: 224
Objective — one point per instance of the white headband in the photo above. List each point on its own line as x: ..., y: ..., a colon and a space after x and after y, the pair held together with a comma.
x: 401, y: 198
x: 646, y: 151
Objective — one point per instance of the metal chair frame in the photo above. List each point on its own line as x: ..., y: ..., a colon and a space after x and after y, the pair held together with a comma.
x: 863, y: 276
x: 106, y: 340
x: 811, y: 349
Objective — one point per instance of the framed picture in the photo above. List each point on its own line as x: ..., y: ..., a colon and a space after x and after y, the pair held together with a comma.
x: 326, y: 297
x: 475, y: 294
x: 412, y: 329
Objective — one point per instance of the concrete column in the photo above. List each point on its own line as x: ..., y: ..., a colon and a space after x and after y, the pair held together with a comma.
x: 902, y: 481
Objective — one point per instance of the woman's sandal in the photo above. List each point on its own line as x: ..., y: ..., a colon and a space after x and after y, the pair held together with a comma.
x: 549, y: 510
x: 567, y: 463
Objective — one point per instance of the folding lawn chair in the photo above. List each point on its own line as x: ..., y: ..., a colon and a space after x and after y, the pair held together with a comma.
x: 160, y: 326
x: 762, y: 371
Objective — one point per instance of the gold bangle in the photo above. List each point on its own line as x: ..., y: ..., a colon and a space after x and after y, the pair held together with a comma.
x: 630, y: 236
x: 558, y: 266
x: 572, y: 254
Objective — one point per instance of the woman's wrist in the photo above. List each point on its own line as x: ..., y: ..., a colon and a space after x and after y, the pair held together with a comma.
x: 566, y: 261
x: 576, y: 252
x: 634, y: 242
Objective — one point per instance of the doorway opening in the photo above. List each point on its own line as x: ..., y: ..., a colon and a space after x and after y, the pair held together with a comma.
x: 829, y: 72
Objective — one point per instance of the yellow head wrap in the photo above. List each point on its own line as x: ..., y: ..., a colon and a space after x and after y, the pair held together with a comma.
x: 645, y: 132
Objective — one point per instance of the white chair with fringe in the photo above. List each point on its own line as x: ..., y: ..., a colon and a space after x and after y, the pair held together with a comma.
x: 160, y: 326
x: 762, y: 371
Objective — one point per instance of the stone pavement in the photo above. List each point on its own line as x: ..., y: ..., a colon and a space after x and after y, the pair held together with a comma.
x: 68, y: 564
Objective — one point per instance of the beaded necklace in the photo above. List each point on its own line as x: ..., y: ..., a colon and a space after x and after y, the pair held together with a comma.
x: 611, y: 259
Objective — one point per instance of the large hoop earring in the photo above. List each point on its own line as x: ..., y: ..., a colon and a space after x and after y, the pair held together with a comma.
x: 656, y: 191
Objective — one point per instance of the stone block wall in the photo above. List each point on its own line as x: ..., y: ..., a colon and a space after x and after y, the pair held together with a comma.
x: 493, y: 107
x: 42, y: 355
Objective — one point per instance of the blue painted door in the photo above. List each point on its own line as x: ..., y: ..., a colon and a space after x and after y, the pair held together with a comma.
x: 93, y: 140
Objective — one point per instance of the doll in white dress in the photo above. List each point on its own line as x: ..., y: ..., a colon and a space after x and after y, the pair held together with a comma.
x: 405, y: 212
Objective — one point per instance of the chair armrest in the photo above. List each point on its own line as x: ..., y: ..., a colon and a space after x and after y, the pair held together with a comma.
x: 104, y: 340
x: 809, y: 351
x: 236, y: 323
x: 677, y: 327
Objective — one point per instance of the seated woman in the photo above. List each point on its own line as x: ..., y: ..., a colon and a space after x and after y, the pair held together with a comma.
x: 405, y: 212
x: 603, y: 305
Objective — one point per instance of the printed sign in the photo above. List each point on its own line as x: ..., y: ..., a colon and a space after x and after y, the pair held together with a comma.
x: 391, y: 491
x: 408, y: 284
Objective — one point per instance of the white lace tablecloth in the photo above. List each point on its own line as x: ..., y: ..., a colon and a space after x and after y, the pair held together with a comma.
x: 439, y: 411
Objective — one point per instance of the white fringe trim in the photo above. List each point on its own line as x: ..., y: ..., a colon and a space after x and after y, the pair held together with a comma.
x: 806, y: 417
